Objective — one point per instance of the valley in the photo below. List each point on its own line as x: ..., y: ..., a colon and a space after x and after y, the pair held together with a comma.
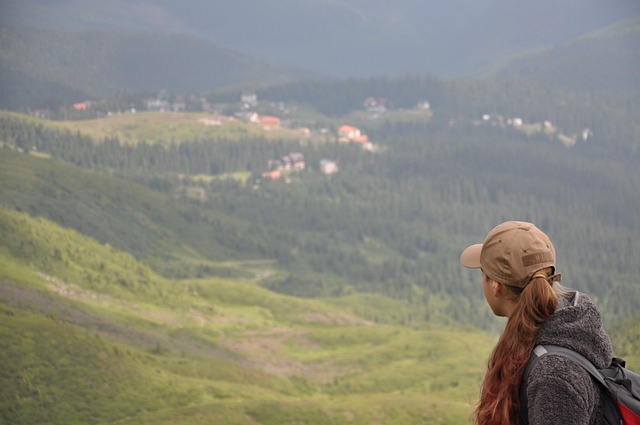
x: 270, y: 304
x: 253, y: 213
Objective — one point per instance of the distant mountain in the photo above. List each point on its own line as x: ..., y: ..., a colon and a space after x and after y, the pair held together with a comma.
x: 347, y: 37
x: 76, y: 50
x: 40, y: 67
x: 604, y: 60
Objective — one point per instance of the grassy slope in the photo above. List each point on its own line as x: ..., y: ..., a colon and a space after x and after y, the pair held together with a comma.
x: 132, y: 218
x: 160, y: 127
x: 165, y: 127
x: 197, y: 350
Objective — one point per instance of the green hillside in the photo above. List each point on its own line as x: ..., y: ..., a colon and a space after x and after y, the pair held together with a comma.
x: 605, y: 60
x: 149, y: 225
x: 48, y: 69
x: 138, y: 348
x: 160, y: 127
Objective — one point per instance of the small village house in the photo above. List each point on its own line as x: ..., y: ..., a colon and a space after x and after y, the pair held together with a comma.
x: 81, y: 106
x: 348, y: 133
x: 249, y: 100
x: 269, y: 122
x: 328, y: 167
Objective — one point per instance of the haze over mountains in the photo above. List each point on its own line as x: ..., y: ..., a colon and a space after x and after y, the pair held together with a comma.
x: 52, y: 54
x: 346, y: 37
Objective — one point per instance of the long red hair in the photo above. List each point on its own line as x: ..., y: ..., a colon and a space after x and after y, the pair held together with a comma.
x: 499, y: 400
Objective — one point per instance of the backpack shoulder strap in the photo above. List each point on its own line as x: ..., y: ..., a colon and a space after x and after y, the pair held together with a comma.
x: 540, y: 351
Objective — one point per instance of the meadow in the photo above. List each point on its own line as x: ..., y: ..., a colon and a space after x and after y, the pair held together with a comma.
x: 130, y: 346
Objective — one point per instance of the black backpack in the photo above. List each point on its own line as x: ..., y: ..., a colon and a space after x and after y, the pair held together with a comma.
x: 622, y: 407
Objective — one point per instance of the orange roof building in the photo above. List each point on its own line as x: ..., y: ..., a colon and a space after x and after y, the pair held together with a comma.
x: 273, y: 175
x: 269, y: 122
x: 348, y: 132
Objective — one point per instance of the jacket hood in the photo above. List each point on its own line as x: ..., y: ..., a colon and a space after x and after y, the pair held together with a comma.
x: 577, y: 325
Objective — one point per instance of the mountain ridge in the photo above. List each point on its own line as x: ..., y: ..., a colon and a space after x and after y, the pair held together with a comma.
x: 51, y: 69
x: 349, y: 37
x: 95, y: 65
x: 578, y: 65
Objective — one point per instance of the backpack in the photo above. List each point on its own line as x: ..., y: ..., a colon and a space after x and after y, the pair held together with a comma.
x: 621, y: 407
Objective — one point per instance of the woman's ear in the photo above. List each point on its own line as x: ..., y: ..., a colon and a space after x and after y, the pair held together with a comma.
x: 496, y: 288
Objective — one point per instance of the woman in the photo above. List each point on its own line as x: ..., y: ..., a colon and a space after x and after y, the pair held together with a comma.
x: 518, y: 263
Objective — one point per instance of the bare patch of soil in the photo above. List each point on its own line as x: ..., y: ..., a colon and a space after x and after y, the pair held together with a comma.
x: 265, y: 349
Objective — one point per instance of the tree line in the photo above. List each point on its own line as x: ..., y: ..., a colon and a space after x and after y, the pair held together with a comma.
x: 604, y: 111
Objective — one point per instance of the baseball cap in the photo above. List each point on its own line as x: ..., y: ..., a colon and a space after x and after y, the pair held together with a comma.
x: 511, y: 253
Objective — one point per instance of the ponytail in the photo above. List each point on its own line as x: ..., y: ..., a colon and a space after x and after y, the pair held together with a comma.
x: 499, y: 400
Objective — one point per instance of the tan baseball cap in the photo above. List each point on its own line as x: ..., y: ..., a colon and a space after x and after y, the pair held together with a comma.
x: 511, y: 253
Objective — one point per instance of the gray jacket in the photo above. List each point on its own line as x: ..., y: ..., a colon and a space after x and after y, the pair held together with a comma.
x: 558, y: 390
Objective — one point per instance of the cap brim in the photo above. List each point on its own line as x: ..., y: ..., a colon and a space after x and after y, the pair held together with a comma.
x: 470, y: 257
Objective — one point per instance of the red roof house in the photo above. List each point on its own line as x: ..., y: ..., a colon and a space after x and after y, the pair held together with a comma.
x: 269, y: 122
